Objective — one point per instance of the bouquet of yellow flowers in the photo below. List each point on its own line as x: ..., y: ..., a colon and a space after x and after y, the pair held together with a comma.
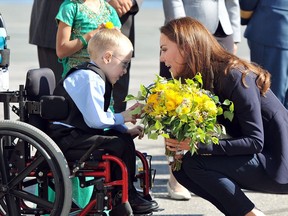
x: 182, y: 111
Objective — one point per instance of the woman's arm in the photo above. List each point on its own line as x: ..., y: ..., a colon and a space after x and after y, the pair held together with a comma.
x: 247, y: 122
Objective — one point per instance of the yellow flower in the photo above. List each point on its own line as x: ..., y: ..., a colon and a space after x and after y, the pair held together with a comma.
x: 211, y: 107
x: 109, y: 25
x: 170, y: 105
x: 153, y: 98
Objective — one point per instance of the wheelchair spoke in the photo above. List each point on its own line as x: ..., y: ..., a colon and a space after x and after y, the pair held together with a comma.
x: 25, y: 172
x: 11, y: 205
x: 3, y: 164
x: 29, y: 162
x: 3, y: 207
x: 32, y: 198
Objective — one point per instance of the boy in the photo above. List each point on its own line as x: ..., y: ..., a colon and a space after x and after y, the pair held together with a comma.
x: 87, y: 88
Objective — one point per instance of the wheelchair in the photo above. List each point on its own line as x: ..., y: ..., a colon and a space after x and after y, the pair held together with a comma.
x: 32, y: 166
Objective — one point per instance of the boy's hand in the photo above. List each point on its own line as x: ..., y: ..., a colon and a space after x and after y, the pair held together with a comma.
x: 136, y: 110
x: 129, y: 115
x: 136, y: 131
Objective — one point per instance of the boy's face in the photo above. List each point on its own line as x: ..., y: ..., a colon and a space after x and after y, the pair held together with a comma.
x: 118, y: 64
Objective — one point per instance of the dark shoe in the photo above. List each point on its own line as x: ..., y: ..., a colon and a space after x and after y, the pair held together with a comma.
x: 154, y: 204
x: 149, y: 198
x: 140, y: 205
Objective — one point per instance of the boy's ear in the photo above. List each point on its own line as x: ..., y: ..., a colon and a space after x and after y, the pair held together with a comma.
x: 107, y: 57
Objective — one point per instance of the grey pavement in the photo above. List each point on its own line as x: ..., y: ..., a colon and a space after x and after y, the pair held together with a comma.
x: 144, y: 68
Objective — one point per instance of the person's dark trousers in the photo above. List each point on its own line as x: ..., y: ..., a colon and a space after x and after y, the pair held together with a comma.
x: 226, y: 42
x: 48, y: 59
x: 219, y: 179
x: 75, y: 143
x: 120, y: 91
x: 117, y: 144
x: 275, y: 60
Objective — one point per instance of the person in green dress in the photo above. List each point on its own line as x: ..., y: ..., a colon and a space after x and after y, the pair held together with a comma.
x: 78, y: 21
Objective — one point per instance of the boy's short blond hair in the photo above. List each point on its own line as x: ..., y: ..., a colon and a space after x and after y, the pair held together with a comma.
x: 108, y: 39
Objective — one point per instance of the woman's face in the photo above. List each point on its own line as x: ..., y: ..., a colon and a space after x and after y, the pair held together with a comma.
x: 171, y: 56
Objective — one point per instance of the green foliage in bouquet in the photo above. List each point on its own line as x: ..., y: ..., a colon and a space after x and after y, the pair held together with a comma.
x: 173, y: 109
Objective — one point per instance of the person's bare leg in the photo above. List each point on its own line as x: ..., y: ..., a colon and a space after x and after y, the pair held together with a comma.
x: 176, y: 190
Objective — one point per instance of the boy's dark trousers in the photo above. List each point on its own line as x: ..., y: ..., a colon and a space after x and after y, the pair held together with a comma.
x: 75, y: 143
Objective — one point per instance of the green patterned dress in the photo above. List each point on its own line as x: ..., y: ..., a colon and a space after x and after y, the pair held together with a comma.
x: 83, y: 20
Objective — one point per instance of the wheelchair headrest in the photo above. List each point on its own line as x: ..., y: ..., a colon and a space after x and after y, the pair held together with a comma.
x: 39, y: 82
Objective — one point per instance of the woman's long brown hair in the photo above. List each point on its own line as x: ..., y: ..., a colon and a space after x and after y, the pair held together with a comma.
x: 203, y: 54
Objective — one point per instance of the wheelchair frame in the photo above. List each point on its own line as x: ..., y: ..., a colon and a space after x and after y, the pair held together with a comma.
x: 32, y: 165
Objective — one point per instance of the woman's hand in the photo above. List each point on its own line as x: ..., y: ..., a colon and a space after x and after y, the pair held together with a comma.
x: 235, y: 48
x: 175, y: 145
x: 121, y: 6
x: 136, y: 131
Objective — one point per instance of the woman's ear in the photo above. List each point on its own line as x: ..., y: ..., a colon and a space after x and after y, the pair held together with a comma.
x: 107, y: 57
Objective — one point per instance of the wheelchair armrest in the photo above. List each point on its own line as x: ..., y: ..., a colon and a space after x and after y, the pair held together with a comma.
x: 53, y: 107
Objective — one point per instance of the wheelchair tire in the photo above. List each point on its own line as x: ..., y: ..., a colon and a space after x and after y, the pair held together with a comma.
x: 25, y: 154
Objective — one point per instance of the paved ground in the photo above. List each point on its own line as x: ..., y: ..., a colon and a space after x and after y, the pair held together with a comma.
x: 144, y: 68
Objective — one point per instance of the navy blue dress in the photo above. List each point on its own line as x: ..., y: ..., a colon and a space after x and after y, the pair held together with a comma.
x: 255, y: 157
